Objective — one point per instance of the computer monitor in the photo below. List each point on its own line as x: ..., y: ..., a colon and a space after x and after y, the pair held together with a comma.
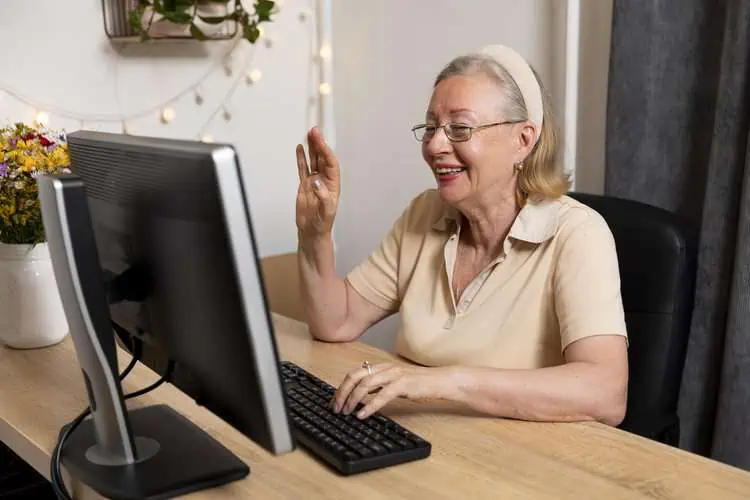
x: 174, y: 247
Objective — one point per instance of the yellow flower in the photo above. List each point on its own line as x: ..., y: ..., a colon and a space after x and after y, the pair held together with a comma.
x: 28, y: 163
x: 59, y: 157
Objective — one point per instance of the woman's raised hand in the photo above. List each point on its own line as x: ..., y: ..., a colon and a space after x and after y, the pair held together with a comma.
x: 319, y: 187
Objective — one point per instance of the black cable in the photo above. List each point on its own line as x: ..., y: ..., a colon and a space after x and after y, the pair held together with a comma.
x: 137, y: 349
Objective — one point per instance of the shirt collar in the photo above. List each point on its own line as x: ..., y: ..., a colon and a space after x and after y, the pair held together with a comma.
x: 536, y: 222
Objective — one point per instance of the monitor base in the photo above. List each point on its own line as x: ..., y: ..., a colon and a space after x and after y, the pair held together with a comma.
x: 187, y: 458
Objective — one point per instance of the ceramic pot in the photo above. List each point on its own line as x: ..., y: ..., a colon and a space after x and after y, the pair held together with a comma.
x: 31, y: 312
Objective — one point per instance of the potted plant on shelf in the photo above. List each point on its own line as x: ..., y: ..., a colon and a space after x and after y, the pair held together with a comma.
x: 198, y: 19
x: 31, y: 312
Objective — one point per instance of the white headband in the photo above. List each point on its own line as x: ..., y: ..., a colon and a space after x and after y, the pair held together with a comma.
x: 524, y: 77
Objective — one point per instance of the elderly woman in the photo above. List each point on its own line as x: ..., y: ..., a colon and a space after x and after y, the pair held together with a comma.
x: 508, y: 290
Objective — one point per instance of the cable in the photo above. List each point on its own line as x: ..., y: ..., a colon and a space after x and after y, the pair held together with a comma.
x: 136, y: 348
x: 58, y: 484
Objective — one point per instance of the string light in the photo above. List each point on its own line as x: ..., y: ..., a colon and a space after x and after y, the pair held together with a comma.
x: 42, y: 118
x: 324, y: 88
x: 304, y: 15
x: 253, y: 76
x: 227, y: 115
x: 269, y: 41
x: 325, y: 52
x: 198, y: 97
x: 207, y: 138
x: 167, y: 115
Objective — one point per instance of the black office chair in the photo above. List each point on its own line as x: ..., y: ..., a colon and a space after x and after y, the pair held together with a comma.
x: 657, y: 257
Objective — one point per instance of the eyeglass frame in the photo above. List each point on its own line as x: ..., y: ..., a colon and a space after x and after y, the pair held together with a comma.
x: 471, y: 129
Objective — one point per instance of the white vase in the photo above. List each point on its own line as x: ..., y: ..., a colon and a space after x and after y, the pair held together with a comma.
x: 31, y: 312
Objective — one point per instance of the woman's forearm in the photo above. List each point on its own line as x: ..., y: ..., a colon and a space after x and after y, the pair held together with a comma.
x: 570, y: 392
x: 323, y: 293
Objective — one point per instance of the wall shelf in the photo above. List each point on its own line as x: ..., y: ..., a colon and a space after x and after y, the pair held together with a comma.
x: 116, y: 15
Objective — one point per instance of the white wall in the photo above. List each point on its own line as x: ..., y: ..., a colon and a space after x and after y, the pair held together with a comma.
x: 596, y: 32
x: 58, y: 56
x: 386, y: 55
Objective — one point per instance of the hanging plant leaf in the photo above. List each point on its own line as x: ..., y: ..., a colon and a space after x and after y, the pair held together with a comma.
x: 264, y: 8
x: 251, y: 32
x: 213, y: 19
x: 178, y: 17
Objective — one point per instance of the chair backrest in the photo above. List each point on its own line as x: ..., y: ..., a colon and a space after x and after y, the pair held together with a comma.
x: 657, y: 258
x: 281, y: 280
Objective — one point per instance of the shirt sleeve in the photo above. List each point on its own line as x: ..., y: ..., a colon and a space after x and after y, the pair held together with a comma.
x: 376, y: 278
x: 588, y: 300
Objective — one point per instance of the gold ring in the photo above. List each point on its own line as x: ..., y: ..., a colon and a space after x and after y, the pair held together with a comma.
x: 366, y: 364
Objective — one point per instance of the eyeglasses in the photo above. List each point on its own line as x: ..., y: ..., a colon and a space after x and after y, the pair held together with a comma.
x: 456, y: 132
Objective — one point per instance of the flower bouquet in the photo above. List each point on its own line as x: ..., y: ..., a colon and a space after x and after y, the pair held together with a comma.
x: 26, y: 152
x: 31, y: 312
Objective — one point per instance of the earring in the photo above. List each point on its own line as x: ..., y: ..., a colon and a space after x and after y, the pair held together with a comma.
x: 518, y: 166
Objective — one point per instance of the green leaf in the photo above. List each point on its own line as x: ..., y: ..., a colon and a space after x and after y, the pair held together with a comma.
x: 196, y: 32
x: 178, y: 17
x: 182, y: 4
x: 214, y: 19
x: 264, y: 9
x: 158, y: 7
x: 251, y: 32
x: 135, y: 19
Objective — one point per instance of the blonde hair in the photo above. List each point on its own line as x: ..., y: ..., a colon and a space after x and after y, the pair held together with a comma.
x: 541, y: 176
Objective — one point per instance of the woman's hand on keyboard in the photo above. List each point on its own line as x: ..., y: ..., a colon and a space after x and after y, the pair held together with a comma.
x: 384, y: 383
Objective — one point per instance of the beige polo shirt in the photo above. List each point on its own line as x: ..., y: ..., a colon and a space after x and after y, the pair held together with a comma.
x: 556, y: 281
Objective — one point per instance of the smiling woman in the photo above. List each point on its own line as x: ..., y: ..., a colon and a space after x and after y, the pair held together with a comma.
x: 509, y: 291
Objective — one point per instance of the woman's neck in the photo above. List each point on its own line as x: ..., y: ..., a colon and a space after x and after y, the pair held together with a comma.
x: 489, y: 223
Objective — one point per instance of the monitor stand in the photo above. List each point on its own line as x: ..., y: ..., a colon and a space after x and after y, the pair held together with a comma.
x: 151, y: 452
x: 174, y: 458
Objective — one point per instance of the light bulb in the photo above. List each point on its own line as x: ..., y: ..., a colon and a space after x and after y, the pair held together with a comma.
x: 269, y: 41
x: 198, y: 97
x: 253, y: 75
x: 167, y: 115
x: 127, y: 129
x: 227, y: 115
x: 325, y: 52
x: 324, y: 88
x: 207, y: 138
x: 42, y: 118
x: 304, y: 15
x: 261, y: 32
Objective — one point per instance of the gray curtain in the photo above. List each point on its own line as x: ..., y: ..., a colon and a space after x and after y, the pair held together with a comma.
x: 677, y: 137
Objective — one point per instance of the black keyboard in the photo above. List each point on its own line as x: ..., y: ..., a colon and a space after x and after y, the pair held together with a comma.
x: 347, y: 443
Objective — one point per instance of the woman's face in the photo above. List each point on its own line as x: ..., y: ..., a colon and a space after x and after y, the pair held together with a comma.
x: 482, y: 167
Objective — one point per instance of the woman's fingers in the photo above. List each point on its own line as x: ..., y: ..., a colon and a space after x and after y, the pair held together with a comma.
x: 302, y: 167
x: 379, y: 400
x: 351, y: 382
x: 368, y: 385
x: 313, y: 148
x: 327, y: 162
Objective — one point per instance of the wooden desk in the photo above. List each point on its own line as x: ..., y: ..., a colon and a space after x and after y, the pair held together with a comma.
x: 472, y: 456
